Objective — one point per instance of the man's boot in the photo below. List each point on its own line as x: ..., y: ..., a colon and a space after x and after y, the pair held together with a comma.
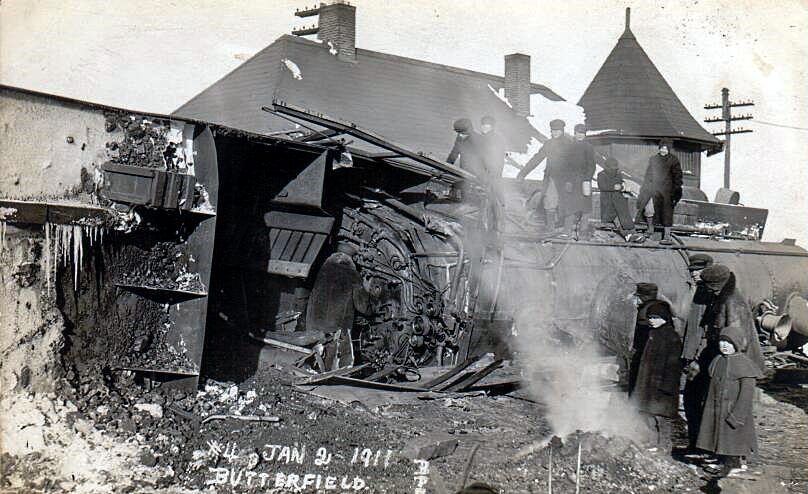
x: 649, y: 229
x: 666, y: 236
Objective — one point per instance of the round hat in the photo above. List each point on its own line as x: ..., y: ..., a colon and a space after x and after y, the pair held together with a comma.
x: 647, y: 290
x: 715, y: 276
x: 699, y: 261
x: 462, y: 125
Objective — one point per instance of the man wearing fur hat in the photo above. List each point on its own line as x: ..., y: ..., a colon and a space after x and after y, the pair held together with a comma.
x: 557, y: 183
x: 695, y: 343
x: 663, y: 187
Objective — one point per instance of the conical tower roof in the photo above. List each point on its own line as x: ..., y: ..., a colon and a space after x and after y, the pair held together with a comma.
x: 629, y: 97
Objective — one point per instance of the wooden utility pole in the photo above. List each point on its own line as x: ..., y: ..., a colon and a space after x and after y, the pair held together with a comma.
x: 727, y: 117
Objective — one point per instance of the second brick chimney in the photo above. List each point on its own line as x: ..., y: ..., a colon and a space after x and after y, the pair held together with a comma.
x: 517, y: 82
x: 337, y: 24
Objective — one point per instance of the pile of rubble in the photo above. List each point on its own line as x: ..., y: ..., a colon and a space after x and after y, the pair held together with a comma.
x: 610, y: 464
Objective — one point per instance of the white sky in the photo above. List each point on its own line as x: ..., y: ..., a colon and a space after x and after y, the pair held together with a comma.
x: 154, y: 55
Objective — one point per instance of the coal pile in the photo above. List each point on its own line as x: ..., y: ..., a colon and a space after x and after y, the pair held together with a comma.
x: 163, y: 266
x: 145, y: 143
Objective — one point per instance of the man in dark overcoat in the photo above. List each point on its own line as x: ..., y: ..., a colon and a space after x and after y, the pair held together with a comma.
x: 656, y: 369
x: 695, y: 344
x: 492, y: 146
x: 662, y: 186
x: 582, y: 165
x: 467, y: 150
x: 557, y: 184
x: 724, y: 307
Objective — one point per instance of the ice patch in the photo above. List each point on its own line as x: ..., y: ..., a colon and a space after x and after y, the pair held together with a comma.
x: 597, y: 132
x: 293, y: 68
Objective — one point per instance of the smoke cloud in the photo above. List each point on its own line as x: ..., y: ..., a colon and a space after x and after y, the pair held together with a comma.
x: 563, y: 363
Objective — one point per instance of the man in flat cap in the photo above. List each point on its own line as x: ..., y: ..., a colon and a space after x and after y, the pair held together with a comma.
x: 695, y: 343
x: 467, y: 149
x: 557, y: 183
x: 655, y: 367
x: 662, y: 187
x: 724, y: 308
x: 582, y: 168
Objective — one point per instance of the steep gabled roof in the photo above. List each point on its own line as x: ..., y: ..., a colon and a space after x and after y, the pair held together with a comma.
x: 409, y: 101
x: 630, y: 96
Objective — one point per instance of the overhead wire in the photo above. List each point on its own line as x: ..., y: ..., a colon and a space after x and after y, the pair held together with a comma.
x: 779, y: 125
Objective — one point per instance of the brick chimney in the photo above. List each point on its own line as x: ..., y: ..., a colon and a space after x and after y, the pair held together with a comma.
x: 337, y: 24
x: 517, y: 82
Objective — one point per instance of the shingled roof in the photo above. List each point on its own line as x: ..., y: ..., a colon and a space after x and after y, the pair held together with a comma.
x: 411, y: 102
x: 629, y: 97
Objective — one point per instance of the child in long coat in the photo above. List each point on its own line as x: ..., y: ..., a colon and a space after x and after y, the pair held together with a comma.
x: 656, y: 369
x: 727, y: 425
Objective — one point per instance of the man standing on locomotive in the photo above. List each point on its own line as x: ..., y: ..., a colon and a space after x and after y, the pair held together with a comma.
x: 663, y: 187
x: 582, y: 164
x: 557, y: 186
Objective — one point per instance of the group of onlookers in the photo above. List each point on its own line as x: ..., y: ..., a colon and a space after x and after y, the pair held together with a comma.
x: 567, y: 186
x: 720, y: 356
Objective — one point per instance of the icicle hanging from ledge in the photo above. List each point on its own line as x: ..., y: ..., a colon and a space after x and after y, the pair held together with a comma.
x: 65, y: 243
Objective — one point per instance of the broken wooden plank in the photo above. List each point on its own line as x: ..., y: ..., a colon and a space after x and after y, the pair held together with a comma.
x: 344, y: 371
x: 474, y: 377
x: 280, y: 344
x: 350, y: 381
x: 794, y: 357
x: 452, y: 373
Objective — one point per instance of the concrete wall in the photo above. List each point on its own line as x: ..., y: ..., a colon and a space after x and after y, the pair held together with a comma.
x: 30, y: 325
x: 36, y: 160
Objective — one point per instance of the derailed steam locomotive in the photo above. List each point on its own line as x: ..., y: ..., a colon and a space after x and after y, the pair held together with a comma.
x: 346, y: 255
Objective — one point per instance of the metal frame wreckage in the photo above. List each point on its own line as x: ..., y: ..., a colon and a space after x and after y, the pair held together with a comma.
x: 357, y: 253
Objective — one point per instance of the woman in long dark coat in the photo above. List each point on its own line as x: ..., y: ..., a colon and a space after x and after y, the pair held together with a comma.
x: 727, y: 424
